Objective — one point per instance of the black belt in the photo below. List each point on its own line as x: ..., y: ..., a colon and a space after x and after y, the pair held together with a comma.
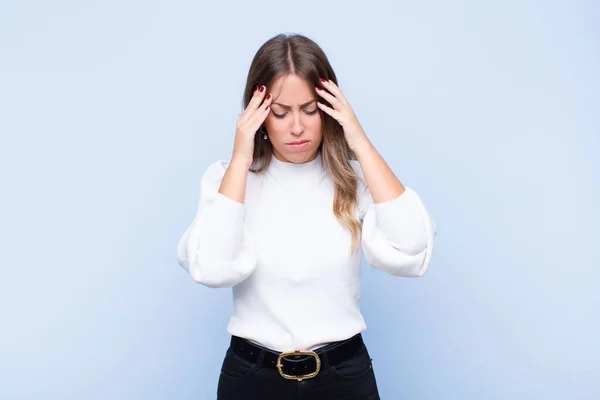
x: 298, y: 364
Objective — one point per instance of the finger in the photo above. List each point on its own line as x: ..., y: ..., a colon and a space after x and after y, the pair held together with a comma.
x: 263, y: 111
x: 255, y: 101
x: 334, y: 89
x: 328, y: 110
x: 329, y: 97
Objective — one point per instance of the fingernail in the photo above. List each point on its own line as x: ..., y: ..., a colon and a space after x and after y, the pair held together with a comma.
x: 318, y: 88
x: 262, y: 88
x: 268, y: 96
x: 323, y: 80
x: 256, y: 87
x: 267, y: 107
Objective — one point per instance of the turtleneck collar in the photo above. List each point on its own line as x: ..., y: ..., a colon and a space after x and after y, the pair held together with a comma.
x: 296, y: 172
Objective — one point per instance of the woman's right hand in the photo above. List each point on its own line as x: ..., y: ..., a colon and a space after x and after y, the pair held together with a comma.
x: 249, y: 122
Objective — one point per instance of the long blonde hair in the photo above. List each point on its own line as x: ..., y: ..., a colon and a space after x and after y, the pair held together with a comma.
x: 296, y: 54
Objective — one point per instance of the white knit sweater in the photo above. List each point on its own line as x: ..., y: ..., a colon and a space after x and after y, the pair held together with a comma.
x: 287, y: 257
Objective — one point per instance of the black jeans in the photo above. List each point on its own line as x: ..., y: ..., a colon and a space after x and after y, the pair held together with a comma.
x: 353, y: 379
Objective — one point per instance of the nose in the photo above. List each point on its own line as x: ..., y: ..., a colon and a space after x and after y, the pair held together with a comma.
x: 297, y: 126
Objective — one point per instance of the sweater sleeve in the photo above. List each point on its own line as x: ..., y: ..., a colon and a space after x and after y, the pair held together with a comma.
x: 216, y: 249
x: 397, y: 235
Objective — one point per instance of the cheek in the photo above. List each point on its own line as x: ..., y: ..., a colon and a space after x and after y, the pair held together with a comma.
x: 315, y: 122
x: 274, y: 125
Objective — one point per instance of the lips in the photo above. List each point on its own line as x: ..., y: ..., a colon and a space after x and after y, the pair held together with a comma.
x: 299, y: 145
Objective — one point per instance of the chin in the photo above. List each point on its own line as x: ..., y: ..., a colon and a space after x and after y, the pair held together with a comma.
x: 300, y: 157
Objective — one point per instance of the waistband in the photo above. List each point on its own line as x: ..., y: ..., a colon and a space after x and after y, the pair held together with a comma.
x: 331, y: 354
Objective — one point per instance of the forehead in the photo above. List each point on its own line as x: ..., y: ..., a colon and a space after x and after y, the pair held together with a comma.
x: 292, y: 90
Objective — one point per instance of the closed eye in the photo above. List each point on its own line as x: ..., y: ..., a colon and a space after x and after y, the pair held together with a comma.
x: 305, y: 111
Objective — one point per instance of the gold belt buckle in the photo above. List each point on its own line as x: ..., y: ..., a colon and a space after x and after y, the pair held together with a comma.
x: 299, y: 353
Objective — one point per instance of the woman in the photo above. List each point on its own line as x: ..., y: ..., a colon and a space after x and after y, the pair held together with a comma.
x: 285, y: 222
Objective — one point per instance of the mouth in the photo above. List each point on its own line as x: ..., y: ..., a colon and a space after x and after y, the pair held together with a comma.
x: 299, y: 144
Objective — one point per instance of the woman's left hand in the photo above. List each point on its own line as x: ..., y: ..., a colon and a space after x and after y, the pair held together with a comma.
x: 342, y: 113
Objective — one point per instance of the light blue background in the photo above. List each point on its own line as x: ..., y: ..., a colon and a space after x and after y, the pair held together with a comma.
x: 110, y: 111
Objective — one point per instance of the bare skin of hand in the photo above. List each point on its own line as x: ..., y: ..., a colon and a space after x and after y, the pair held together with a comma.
x: 381, y: 180
x: 234, y: 181
x: 249, y: 122
x: 343, y: 113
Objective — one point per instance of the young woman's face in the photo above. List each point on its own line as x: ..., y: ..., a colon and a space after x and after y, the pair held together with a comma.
x: 294, y: 117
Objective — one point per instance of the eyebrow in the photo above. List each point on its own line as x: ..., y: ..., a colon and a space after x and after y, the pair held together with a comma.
x: 301, y: 105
